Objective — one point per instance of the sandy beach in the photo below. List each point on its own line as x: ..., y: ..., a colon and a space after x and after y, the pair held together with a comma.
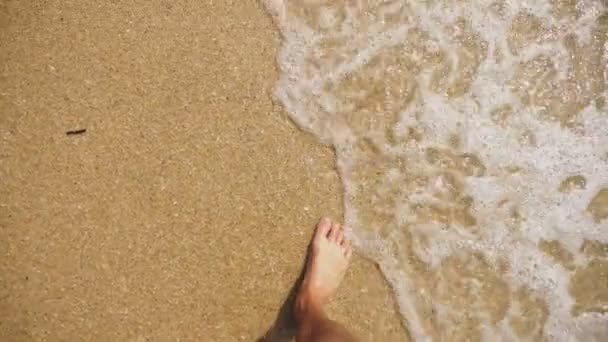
x: 184, y: 210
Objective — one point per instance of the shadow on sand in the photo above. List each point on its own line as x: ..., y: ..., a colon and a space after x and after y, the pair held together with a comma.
x: 284, y: 327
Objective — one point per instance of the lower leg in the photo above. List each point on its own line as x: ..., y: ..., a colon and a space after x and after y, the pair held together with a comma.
x: 328, y: 259
x: 314, y: 326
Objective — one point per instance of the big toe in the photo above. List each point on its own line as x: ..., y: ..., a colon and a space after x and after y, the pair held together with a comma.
x: 323, y: 228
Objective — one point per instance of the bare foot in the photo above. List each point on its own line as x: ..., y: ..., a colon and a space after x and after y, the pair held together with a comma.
x: 328, y: 260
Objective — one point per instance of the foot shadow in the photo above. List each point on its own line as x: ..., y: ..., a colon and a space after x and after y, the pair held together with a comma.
x: 284, y: 327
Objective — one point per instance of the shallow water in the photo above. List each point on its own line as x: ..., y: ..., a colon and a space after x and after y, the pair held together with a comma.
x: 472, y: 142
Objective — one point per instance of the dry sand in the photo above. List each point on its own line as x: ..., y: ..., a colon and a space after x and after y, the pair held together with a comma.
x: 184, y: 210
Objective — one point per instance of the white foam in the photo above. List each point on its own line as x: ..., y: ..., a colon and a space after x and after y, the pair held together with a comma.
x: 305, y: 89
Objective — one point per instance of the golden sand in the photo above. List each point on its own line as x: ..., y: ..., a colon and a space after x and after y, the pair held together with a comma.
x: 184, y: 210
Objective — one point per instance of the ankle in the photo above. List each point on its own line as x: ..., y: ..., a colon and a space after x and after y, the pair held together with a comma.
x: 306, y: 303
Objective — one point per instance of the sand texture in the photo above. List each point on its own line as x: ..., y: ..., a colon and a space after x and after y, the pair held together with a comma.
x: 184, y: 210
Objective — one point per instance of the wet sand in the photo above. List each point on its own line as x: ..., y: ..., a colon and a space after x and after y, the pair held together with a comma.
x: 184, y: 210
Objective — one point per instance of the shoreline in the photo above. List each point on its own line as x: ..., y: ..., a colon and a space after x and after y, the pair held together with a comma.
x: 167, y: 218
